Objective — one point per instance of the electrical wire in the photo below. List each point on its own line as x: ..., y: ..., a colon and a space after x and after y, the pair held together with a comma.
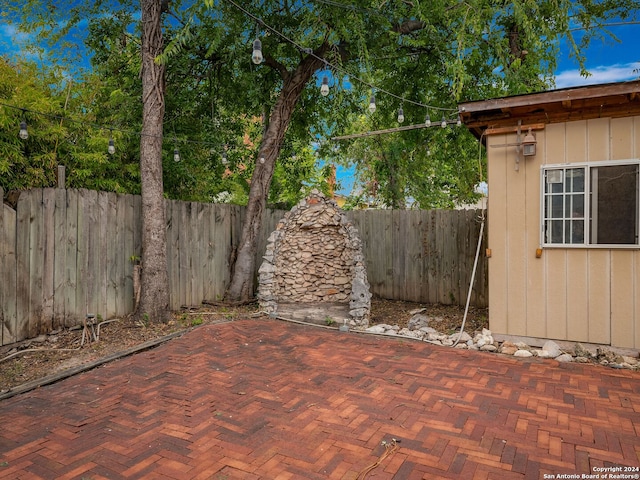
x: 389, y: 449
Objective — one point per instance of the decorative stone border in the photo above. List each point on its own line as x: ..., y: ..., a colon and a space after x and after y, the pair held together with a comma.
x: 418, y: 328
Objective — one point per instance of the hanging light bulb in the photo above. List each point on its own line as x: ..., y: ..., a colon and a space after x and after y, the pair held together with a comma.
x: 400, y: 115
x: 427, y: 121
x: 372, y: 103
x: 444, y: 122
x: 176, y: 155
x: 459, y: 121
x: 225, y: 160
x: 23, y: 130
x: 256, y: 56
x: 261, y: 160
x: 324, y: 89
x: 111, y: 148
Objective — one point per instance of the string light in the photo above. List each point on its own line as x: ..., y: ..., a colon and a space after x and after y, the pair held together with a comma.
x: 400, y: 115
x: 176, y: 152
x: 256, y: 56
x: 459, y: 121
x: 24, y: 134
x: 372, y: 103
x: 427, y: 121
x: 111, y: 149
x: 225, y: 160
x: 261, y: 160
x: 324, y: 89
x: 444, y: 122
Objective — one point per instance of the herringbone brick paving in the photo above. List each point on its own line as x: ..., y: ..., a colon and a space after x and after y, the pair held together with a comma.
x: 263, y: 399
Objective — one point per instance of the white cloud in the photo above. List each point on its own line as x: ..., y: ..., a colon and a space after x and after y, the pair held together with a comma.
x: 11, y: 33
x: 601, y: 74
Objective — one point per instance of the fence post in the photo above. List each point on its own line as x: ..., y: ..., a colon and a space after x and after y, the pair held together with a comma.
x: 61, y: 176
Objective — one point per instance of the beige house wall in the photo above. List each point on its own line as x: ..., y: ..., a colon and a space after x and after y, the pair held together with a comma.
x: 577, y: 294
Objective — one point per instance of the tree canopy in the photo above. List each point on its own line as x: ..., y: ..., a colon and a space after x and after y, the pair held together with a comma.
x: 264, y: 118
x: 408, y: 54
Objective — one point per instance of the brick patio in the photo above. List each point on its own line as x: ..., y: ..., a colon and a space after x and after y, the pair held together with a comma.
x: 264, y: 399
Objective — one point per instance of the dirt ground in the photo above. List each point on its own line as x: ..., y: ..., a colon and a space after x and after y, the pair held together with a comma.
x: 36, y: 358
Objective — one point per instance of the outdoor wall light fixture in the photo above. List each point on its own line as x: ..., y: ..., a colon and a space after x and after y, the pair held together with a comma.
x: 529, y: 144
x: 256, y: 56
x: 525, y: 147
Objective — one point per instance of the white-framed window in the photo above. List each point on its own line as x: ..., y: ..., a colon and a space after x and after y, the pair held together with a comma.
x: 591, y: 205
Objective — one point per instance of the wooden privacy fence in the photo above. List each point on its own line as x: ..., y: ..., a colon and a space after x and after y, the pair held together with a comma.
x: 67, y: 253
x: 423, y: 255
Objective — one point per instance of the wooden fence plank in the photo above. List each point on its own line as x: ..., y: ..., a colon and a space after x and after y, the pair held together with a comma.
x: 130, y: 249
x: 197, y: 277
x: 4, y: 286
x: 60, y: 258
x: 222, y: 247
x: 113, y: 250
x: 9, y: 278
x: 23, y: 264
x: 414, y: 258
x: 173, y: 250
x: 432, y: 267
x: 104, y: 237
x: 72, y: 316
x: 208, y: 219
x: 36, y: 261
x: 92, y: 230
x: 83, y: 276
x: 48, y: 263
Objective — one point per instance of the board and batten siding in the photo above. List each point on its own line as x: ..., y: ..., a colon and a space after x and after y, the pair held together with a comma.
x: 577, y: 294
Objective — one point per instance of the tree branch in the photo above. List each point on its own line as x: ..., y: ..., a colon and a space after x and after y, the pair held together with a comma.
x: 409, y: 26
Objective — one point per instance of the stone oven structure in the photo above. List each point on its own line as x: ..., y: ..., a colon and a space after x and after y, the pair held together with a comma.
x: 313, y: 267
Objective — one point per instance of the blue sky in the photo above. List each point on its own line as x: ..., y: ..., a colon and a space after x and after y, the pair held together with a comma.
x: 607, y: 61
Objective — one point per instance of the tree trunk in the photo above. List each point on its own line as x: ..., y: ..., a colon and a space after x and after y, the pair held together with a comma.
x: 241, y: 287
x: 154, y: 295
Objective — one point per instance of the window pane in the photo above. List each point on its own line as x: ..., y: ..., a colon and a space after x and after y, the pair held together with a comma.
x: 556, y: 206
x: 614, y: 193
x: 578, y: 206
x: 574, y: 207
x: 577, y: 231
x: 575, y: 180
x: 555, y: 235
x: 556, y: 187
